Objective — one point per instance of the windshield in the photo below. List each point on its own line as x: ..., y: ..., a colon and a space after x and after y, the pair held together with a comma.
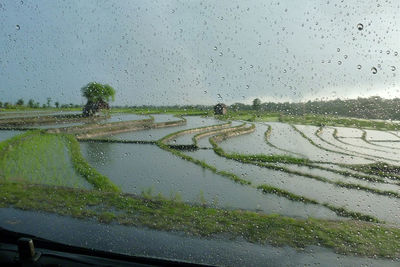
x: 219, y: 132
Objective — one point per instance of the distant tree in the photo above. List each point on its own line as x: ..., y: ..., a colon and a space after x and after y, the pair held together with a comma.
x: 7, y: 105
x: 44, y: 106
x: 49, y: 102
x: 97, y: 96
x: 57, y: 104
x: 256, y: 104
x: 1, y: 104
x: 31, y: 103
x: 20, y: 102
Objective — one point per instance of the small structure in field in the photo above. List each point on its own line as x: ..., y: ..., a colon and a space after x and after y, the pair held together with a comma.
x: 220, y: 109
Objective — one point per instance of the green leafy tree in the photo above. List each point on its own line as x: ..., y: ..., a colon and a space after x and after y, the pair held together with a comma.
x: 98, y: 95
x: 31, y: 103
x: 49, y: 102
x: 20, y: 102
x: 57, y: 104
x: 256, y: 104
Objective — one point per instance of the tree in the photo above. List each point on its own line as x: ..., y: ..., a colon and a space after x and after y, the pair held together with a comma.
x: 256, y: 104
x: 48, y: 102
x: 97, y: 96
x: 57, y: 104
x: 20, y: 102
x: 31, y: 103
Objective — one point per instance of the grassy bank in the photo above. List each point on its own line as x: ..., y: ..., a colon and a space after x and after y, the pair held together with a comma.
x: 37, y: 157
x: 53, y: 159
x: 348, y: 237
x: 81, y: 166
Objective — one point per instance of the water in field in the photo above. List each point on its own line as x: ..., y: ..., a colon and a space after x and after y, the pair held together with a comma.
x: 187, y: 139
x: 327, y: 152
x: 385, y: 208
x: 137, y: 168
x: 164, y: 117
x: 124, y: 117
x: 156, y: 134
x: 365, y: 151
x: 6, y: 134
x: 349, y: 132
x: 253, y: 143
x: 374, y: 135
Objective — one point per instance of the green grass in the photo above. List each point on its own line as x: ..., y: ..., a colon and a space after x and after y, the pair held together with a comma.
x: 345, y: 237
x: 37, y: 157
x: 98, y: 180
x: 283, y: 193
x: 54, y: 159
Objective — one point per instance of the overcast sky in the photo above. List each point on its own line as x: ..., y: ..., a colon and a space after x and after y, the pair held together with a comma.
x: 199, y: 52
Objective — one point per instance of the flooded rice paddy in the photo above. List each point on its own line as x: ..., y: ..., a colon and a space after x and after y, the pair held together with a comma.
x: 148, y: 170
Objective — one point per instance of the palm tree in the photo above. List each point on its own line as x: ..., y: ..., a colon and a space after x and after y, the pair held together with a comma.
x: 97, y: 96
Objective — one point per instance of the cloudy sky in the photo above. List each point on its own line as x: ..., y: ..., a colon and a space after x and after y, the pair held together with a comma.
x: 199, y: 52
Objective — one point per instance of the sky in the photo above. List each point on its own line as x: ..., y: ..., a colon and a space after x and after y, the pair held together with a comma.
x: 199, y: 52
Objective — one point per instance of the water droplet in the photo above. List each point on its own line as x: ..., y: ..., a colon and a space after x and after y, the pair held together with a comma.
x: 395, y: 54
x: 360, y: 27
x: 215, y: 48
x: 17, y: 27
x: 346, y: 56
x: 339, y: 62
x: 220, y: 54
x: 338, y: 49
x: 374, y: 70
x: 393, y: 68
x: 387, y: 52
x: 359, y: 67
x: 247, y: 86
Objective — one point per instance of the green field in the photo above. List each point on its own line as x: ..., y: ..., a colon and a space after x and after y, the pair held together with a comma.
x: 47, y: 172
x: 36, y: 157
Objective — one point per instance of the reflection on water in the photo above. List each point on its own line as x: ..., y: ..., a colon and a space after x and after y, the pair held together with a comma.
x: 136, y: 168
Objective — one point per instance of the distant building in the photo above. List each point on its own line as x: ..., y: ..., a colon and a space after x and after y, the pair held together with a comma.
x: 220, y: 109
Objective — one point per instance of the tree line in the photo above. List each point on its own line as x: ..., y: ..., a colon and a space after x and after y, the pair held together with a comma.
x: 34, y: 104
x: 373, y: 107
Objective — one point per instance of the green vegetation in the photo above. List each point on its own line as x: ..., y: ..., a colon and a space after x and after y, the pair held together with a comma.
x: 345, y: 237
x: 97, y: 96
x: 53, y: 159
x: 81, y: 166
x: 283, y: 193
x: 45, y: 159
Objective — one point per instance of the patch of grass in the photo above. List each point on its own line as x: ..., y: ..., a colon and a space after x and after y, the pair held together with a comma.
x: 38, y: 157
x: 280, y: 192
x: 98, y: 180
x: 345, y: 237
